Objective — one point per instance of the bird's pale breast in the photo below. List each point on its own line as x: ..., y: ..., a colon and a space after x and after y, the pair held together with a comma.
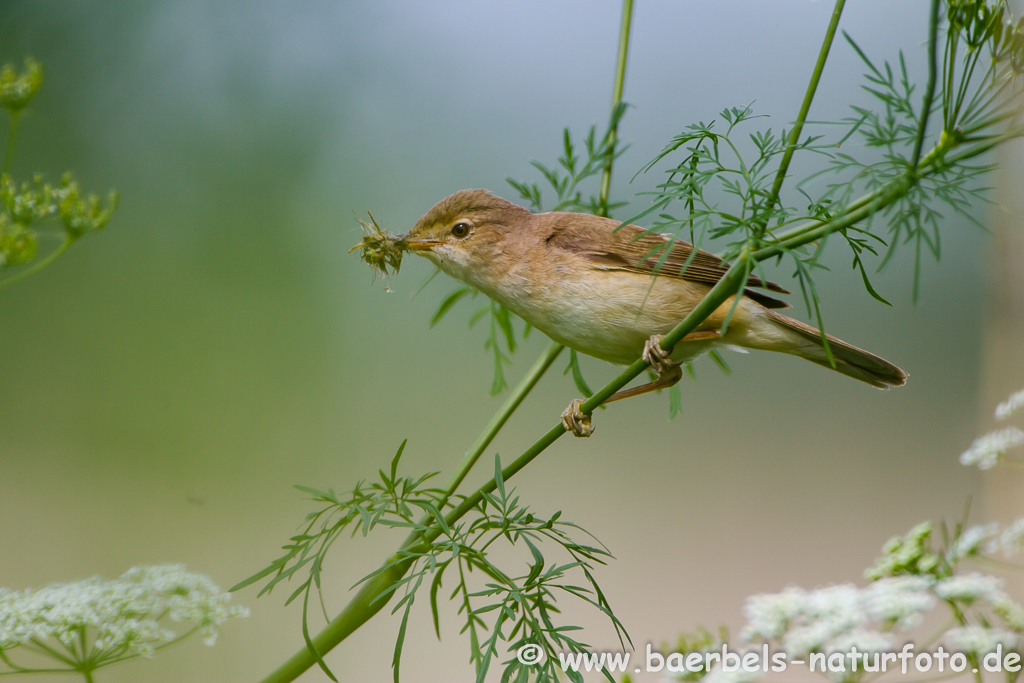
x: 607, y: 314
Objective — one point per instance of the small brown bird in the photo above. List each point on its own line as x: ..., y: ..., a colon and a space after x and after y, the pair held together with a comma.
x: 589, y: 286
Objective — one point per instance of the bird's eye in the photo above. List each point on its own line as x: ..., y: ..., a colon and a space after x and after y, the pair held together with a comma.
x: 460, y: 230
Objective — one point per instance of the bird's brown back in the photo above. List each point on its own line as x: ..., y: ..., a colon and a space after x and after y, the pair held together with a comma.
x: 630, y: 248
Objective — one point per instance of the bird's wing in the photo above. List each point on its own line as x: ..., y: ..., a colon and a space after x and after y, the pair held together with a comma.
x: 629, y: 249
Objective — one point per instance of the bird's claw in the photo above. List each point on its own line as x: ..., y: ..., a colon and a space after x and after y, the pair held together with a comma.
x: 576, y: 421
x: 657, y: 357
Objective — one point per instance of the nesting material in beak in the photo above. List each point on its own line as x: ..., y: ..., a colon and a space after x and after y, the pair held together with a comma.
x: 379, y: 249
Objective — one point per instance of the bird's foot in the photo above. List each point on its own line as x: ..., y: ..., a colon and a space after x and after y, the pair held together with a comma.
x: 658, y: 358
x: 575, y: 421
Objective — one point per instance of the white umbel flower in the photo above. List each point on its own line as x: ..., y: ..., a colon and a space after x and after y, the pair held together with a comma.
x: 970, y: 541
x: 12, y: 631
x: 836, y: 618
x: 1011, y: 405
x: 987, y: 450
x: 1011, y: 541
x: 1011, y: 612
x: 769, y: 614
x: 899, y: 600
x: 804, y: 620
x: 117, y: 619
x: 979, y: 640
x: 970, y: 587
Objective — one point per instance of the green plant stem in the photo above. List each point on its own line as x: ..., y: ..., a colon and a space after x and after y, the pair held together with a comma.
x: 12, y: 133
x: 805, y: 108
x: 39, y: 265
x: 929, y: 92
x: 620, y: 80
x: 43, y: 648
x: 510, y: 405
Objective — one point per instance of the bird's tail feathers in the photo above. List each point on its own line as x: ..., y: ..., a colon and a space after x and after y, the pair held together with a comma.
x: 849, y: 360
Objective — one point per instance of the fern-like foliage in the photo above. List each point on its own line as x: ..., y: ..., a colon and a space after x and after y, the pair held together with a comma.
x: 500, y: 611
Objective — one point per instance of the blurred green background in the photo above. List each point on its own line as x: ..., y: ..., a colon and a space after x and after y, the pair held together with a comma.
x: 167, y: 381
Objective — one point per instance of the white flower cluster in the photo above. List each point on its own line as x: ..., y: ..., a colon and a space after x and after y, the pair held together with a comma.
x: 1011, y: 405
x: 988, y: 450
x: 123, y: 617
x: 979, y: 639
x: 968, y: 588
x: 1011, y: 541
x: 836, y: 618
x: 970, y: 542
x: 1010, y: 611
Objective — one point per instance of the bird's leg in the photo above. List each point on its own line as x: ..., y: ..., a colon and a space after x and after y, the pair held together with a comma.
x: 669, y: 373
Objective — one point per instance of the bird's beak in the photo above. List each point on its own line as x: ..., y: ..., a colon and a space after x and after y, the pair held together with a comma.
x: 417, y: 244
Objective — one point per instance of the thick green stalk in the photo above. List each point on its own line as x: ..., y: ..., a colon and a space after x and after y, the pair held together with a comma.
x: 805, y: 108
x: 620, y: 80
x: 373, y: 595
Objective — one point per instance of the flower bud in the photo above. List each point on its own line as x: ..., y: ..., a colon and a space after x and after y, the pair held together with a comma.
x: 17, y: 243
x: 17, y: 89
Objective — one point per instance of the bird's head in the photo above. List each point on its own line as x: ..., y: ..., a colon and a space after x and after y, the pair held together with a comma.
x: 465, y: 232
